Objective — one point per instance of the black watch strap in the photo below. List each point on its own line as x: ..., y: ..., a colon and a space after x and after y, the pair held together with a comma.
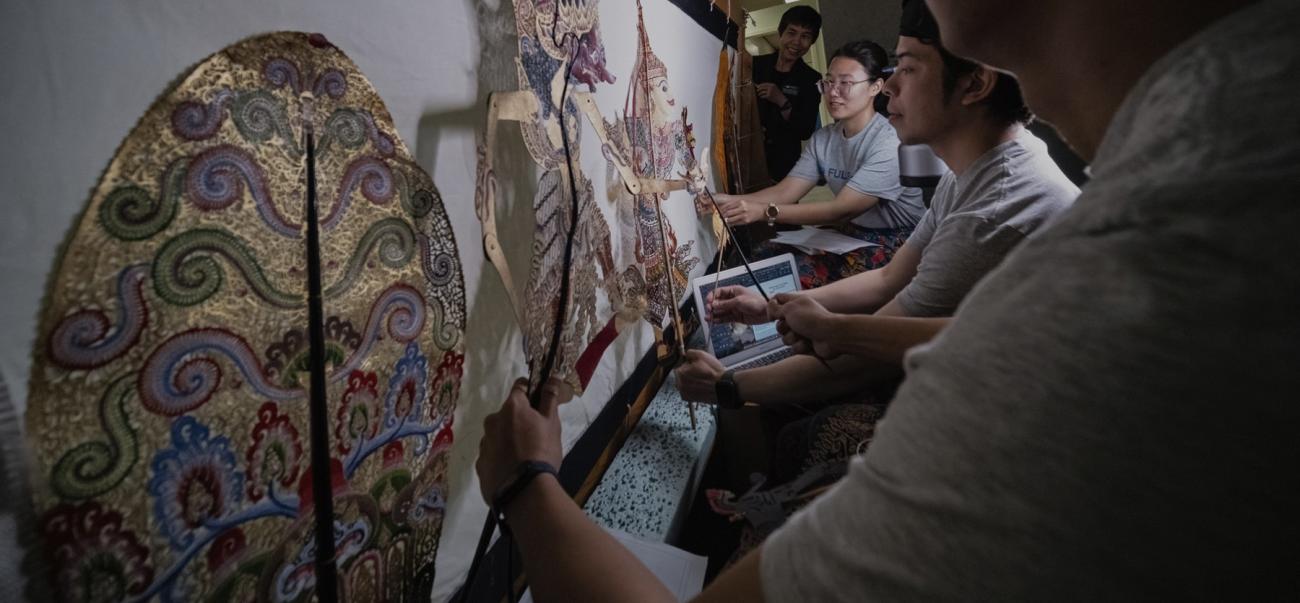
x: 524, y: 474
x: 727, y: 392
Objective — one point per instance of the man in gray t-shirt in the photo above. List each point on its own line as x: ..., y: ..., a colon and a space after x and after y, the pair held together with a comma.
x: 867, y: 162
x: 976, y: 219
x: 1111, y: 414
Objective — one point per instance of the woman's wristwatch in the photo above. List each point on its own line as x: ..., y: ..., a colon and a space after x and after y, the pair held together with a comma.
x: 772, y: 212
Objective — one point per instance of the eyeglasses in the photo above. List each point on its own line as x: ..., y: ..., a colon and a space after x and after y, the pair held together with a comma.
x: 825, y: 86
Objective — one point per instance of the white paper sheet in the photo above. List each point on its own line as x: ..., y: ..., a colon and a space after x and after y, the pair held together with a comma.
x: 680, y: 571
x: 816, y: 240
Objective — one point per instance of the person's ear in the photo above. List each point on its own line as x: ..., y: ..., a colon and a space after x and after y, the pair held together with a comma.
x: 876, y: 86
x: 978, y: 85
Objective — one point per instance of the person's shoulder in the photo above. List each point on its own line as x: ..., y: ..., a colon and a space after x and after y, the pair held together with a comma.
x: 885, y: 132
x: 764, y: 65
x: 1032, y: 162
x: 826, y: 134
x: 805, y: 72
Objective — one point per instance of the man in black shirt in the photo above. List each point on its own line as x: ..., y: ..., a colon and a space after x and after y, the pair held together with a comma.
x: 787, y: 90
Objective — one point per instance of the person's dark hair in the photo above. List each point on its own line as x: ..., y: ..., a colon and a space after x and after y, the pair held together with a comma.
x: 803, y: 16
x: 869, y: 54
x: 1006, y: 103
x: 874, y: 60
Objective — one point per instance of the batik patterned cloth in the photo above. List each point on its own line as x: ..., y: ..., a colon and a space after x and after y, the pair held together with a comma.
x: 168, y: 409
x: 820, y: 269
x: 811, y: 453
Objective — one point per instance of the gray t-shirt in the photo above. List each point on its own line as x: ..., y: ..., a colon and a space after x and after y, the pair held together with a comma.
x: 1112, y: 413
x: 976, y: 220
x: 867, y: 163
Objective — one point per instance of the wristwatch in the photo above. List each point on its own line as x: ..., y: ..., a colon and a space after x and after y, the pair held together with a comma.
x: 727, y: 392
x: 772, y: 212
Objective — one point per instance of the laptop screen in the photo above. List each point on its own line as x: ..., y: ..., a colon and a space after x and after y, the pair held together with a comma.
x: 732, y: 338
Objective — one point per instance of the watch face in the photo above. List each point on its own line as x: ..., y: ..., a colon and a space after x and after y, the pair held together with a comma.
x: 772, y: 211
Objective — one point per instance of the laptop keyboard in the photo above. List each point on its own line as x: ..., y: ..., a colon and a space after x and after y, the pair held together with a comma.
x: 765, y: 360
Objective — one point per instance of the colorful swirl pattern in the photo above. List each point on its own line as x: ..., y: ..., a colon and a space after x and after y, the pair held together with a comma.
x: 352, y: 128
x: 440, y: 269
x: 446, y: 334
x: 84, y: 339
x: 260, y: 116
x: 131, y: 214
x: 279, y: 72
x: 396, y: 243
x: 156, y: 489
x: 181, y: 376
x: 95, y: 467
x: 417, y: 203
x: 332, y: 83
x: 185, y: 273
x: 405, y: 309
x: 346, y: 126
x: 374, y: 178
x: 216, y: 178
x: 195, y: 121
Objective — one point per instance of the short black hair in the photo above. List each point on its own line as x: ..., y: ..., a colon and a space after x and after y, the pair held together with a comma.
x: 804, y: 16
x: 1006, y: 103
x: 870, y: 55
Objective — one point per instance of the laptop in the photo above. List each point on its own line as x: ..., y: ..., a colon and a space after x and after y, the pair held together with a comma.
x: 740, y: 346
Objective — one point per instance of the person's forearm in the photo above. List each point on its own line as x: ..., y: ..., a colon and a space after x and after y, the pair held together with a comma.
x: 798, y: 379
x: 881, y: 338
x: 827, y: 212
x: 861, y: 293
x: 771, y: 194
x: 569, y: 558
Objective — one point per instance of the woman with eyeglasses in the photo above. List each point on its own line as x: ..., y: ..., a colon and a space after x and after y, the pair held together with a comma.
x: 857, y: 158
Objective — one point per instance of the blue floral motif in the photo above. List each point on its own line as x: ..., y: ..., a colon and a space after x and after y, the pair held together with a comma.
x: 429, y: 504
x: 296, y: 576
x: 195, y: 483
x: 407, y: 388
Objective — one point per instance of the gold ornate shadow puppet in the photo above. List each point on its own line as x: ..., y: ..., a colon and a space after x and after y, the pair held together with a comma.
x: 555, y: 37
x: 173, y: 404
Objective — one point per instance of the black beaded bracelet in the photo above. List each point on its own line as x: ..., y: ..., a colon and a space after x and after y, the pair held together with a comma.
x: 523, y: 475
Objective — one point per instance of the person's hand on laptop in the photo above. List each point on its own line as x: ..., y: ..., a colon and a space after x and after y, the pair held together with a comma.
x: 697, y: 377
x: 805, y: 325
x: 735, y: 303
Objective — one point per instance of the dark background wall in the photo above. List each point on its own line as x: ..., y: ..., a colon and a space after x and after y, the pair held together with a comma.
x: 845, y: 21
